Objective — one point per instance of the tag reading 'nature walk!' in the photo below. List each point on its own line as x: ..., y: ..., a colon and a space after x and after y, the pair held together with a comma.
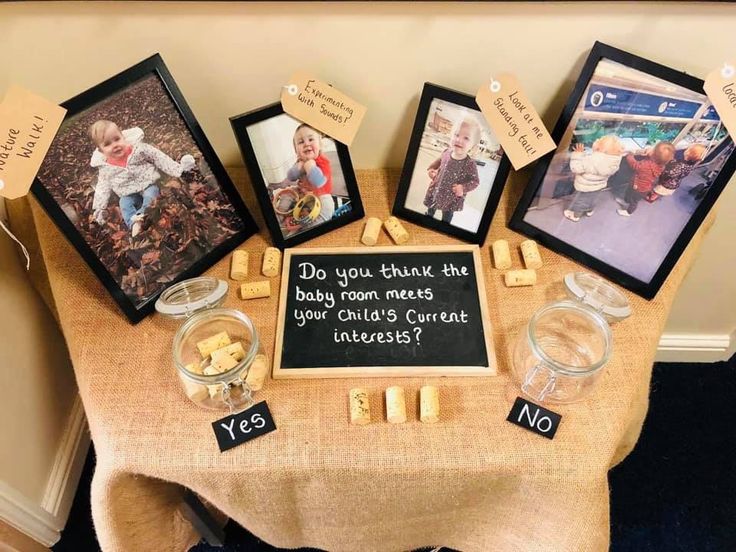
x: 514, y: 120
x: 28, y: 124
x: 720, y: 86
x: 323, y: 107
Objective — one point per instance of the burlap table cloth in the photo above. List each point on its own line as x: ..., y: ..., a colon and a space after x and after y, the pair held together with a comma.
x: 473, y: 481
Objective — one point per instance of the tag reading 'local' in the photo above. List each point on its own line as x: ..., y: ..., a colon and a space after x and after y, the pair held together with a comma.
x: 239, y: 428
x: 514, y: 120
x: 534, y: 418
x: 720, y: 85
x: 323, y: 107
x: 28, y: 124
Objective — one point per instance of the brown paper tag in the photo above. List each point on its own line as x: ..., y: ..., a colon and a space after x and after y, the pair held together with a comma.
x: 28, y: 124
x: 514, y: 120
x: 720, y: 85
x: 323, y: 107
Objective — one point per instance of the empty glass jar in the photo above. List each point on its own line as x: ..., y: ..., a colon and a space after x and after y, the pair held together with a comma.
x: 561, y: 353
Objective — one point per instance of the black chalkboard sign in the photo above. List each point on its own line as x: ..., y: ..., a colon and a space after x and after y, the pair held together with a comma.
x: 408, y: 311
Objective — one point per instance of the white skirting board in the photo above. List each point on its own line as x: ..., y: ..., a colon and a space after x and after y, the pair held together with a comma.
x: 44, y: 522
x: 695, y: 347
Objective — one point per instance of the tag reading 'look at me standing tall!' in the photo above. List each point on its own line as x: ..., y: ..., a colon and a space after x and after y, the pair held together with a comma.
x: 28, y: 124
x: 514, y: 120
x: 323, y: 107
x: 720, y: 85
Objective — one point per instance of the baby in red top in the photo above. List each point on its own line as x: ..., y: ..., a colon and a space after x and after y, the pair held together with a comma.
x: 312, y: 169
x: 646, y: 173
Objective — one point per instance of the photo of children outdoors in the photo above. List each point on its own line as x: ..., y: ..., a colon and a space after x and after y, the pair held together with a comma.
x: 129, y: 176
x: 456, y: 166
x: 302, y: 173
x: 634, y: 164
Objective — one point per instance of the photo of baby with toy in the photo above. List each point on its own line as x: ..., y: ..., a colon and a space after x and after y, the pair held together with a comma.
x: 456, y: 165
x: 302, y: 173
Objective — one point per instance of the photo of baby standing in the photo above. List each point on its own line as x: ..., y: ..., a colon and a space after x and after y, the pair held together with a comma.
x: 457, y: 160
x: 453, y: 175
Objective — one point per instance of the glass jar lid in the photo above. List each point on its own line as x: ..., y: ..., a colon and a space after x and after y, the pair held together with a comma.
x: 190, y: 296
x: 598, y: 294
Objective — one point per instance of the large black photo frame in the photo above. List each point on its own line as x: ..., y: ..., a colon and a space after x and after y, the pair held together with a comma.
x: 240, y: 124
x: 152, y: 66
x: 645, y: 288
x: 431, y: 92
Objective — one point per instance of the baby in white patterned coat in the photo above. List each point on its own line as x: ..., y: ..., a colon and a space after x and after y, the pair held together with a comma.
x: 129, y: 168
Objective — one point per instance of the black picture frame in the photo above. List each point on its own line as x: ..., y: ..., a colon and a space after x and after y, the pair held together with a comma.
x: 240, y: 124
x: 647, y: 289
x: 431, y: 92
x: 153, y: 65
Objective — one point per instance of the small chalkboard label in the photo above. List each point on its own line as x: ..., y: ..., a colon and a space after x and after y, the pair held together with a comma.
x: 239, y: 428
x: 534, y: 418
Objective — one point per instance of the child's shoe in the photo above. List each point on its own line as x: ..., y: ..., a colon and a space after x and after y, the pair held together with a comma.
x: 589, y: 213
x: 137, y: 221
x: 623, y: 212
x: 570, y: 215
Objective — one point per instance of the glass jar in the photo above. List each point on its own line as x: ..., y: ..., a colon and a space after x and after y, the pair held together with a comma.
x: 562, y: 352
x: 199, y: 301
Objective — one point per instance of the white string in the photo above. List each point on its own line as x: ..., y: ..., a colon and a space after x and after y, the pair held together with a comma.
x: 23, y: 247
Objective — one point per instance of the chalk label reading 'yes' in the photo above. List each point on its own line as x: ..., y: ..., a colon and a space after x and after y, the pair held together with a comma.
x: 242, y: 427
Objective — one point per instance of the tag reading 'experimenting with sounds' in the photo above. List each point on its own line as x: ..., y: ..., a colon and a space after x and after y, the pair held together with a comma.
x: 720, y: 85
x: 323, y: 107
x: 28, y: 124
x: 513, y: 118
x: 239, y: 428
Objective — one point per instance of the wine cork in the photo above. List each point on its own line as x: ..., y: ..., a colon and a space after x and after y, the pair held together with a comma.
x: 195, y: 391
x: 257, y: 373
x: 530, y: 252
x: 255, y: 290
x: 223, y: 364
x: 360, y: 408
x: 523, y: 277
x: 214, y: 391
x: 370, y: 233
x: 271, y: 262
x: 396, y: 230
x: 239, y: 265
x: 395, y: 405
x: 234, y: 350
x: 501, y: 255
x: 429, y: 404
x: 212, y: 343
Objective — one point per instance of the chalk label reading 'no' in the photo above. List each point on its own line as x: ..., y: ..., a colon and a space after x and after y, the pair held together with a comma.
x: 534, y: 418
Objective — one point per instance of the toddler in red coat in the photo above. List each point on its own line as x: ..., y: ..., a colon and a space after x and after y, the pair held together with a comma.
x: 646, y: 173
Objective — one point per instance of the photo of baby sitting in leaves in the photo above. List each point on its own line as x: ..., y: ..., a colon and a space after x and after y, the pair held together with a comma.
x: 129, y: 176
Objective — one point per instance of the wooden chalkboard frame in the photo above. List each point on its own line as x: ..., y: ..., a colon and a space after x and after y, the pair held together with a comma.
x: 384, y: 371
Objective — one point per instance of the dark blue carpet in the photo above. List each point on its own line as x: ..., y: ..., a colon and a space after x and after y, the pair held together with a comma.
x: 675, y: 492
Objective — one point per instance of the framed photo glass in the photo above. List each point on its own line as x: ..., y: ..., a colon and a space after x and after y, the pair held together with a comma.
x: 133, y: 183
x: 455, y: 168
x: 304, y: 181
x: 642, y: 156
